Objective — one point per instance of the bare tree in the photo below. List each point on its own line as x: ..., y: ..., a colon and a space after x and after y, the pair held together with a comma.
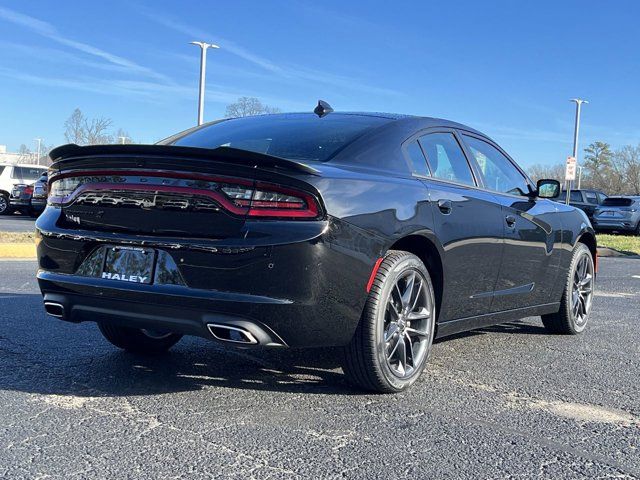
x: 627, y: 160
x: 538, y: 172
x: 246, y: 106
x: 74, y: 127
x: 83, y: 131
x: 122, y: 136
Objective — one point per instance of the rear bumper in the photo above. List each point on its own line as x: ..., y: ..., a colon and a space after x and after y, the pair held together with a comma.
x: 38, y: 203
x: 617, y: 224
x: 19, y: 202
x: 302, y: 294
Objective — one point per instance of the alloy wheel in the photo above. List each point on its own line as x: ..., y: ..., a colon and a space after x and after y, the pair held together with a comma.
x: 408, y: 324
x: 3, y: 204
x: 582, y: 290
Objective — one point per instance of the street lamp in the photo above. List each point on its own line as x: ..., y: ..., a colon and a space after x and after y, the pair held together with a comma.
x: 203, y: 69
x: 39, y: 140
x: 576, y: 130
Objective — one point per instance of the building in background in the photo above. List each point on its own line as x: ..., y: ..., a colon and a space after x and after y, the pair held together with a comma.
x: 8, y: 157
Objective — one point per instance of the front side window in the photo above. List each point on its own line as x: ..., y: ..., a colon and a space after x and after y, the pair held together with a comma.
x: 499, y: 173
x: 1, y: 169
x: 446, y: 159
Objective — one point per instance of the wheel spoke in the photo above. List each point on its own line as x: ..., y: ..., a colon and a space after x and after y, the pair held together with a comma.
x: 409, y: 346
x: 418, y: 289
x: 422, y: 314
x: 408, y: 291
x: 402, y: 356
x: 391, y: 331
x: 419, y: 333
x: 396, y: 341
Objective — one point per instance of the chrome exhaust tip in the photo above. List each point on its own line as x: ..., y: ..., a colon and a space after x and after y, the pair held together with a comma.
x: 54, y: 309
x: 227, y: 333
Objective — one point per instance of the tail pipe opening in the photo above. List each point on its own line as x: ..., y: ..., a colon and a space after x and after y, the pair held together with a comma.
x: 54, y: 309
x: 227, y: 333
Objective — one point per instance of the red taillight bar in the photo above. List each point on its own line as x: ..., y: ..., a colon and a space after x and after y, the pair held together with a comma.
x: 253, y: 208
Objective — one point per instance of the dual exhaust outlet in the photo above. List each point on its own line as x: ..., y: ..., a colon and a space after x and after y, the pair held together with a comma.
x: 222, y: 332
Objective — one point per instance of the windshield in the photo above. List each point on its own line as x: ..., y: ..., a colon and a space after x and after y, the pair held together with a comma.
x: 292, y: 136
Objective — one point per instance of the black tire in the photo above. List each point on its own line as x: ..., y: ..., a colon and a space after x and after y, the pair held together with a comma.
x: 5, y: 208
x: 366, y: 359
x: 136, y: 340
x: 566, y: 321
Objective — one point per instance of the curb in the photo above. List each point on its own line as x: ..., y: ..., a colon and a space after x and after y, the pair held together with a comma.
x: 17, y: 251
x: 611, y: 252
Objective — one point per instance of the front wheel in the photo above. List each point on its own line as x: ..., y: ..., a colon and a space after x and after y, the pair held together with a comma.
x: 4, y: 204
x: 577, y: 297
x: 138, y: 340
x: 393, y: 340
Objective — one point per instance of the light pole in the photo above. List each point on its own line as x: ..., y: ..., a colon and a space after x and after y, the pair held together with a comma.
x: 579, y: 167
x: 39, y: 140
x: 576, y: 131
x: 203, y: 71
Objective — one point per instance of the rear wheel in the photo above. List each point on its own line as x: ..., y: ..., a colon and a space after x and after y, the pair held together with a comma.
x: 138, y: 340
x: 392, y: 343
x: 577, y: 298
x: 4, y: 204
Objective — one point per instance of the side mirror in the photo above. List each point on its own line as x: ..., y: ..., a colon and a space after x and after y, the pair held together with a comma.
x: 548, y: 188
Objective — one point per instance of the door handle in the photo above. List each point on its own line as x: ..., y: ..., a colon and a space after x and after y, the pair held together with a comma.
x: 445, y: 206
x: 511, y: 220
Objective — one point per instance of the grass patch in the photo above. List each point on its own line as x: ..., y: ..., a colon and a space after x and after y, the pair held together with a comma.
x: 622, y: 243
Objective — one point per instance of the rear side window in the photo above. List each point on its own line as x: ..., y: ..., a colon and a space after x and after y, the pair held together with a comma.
x: 617, y: 202
x: 575, y: 196
x: 1, y: 169
x: 499, y: 172
x: 416, y: 158
x: 445, y: 158
x: 591, y: 197
x: 26, y: 173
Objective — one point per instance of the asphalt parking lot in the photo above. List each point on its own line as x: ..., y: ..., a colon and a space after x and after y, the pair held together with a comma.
x: 507, y: 401
x: 17, y: 222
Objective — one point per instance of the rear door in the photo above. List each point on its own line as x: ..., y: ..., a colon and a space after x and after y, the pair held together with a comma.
x: 531, y: 257
x: 468, y: 222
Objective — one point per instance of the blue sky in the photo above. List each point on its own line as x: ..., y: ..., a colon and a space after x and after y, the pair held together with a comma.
x: 505, y: 67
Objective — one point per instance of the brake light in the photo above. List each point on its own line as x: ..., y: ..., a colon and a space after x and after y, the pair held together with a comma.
x: 272, y: 201
x: 28, y: 190
x: 236, y: 195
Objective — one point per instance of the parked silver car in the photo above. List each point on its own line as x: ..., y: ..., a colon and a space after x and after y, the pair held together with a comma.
x: 618, y: 213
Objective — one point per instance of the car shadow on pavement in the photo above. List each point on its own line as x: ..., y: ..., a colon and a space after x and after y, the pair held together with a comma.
x: 68, y: 359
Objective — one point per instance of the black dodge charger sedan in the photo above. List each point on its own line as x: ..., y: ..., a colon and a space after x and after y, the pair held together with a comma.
x: 374, y: 232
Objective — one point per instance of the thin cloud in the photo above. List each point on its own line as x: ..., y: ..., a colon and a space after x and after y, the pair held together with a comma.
x: 49, y: 31
x: 289, y: 71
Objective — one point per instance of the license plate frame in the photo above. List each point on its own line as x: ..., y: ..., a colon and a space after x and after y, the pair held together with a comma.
x: 129, y: 264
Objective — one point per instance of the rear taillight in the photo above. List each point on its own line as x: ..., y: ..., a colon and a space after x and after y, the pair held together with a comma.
x: 267, y: 200
x: 238, y: 196
x: 28, y: 190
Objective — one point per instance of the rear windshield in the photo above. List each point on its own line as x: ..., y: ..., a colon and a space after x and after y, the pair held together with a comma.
x: 294, y: 136
x: 26, y: 173
x: 617, y: 202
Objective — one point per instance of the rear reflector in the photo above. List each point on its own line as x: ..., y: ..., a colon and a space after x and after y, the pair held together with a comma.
x: 374, y: 272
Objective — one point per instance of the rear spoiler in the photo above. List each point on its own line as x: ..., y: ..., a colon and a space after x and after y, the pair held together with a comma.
x: 219, y: 154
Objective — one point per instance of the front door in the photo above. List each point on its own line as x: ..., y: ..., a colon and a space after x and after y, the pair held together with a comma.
x: 531, y: 254
x: 468, y: 222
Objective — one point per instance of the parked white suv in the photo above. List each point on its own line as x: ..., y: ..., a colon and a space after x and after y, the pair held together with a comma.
x: 11, y: 175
